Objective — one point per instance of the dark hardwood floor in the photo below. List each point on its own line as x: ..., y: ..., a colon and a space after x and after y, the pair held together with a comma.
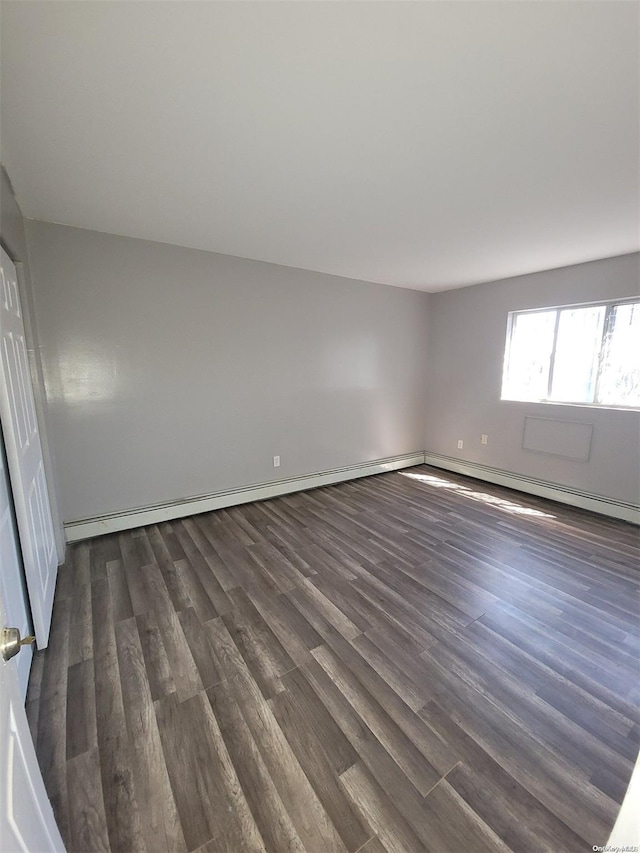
x: 412, y: 661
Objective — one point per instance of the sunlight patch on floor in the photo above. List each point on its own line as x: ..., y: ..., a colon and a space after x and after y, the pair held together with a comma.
x: 500, y: 503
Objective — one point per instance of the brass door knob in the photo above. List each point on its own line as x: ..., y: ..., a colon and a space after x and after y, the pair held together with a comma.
x: 10, y: 642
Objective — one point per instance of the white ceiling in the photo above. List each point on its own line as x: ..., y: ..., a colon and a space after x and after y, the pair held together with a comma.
x: 427, y: 144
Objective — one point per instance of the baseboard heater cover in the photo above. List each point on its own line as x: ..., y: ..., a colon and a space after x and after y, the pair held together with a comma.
x: 87, y: 528
x: 541, y: 488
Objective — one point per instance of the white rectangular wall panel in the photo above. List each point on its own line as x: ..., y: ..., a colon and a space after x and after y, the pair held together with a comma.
x: 570, y: 439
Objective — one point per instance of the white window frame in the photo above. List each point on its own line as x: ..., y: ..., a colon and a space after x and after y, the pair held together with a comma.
x: 606, y: 328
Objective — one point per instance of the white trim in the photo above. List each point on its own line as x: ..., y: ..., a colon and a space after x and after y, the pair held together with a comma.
x: 625, y: 834
x: 541, y: 488
x: 86, y: 528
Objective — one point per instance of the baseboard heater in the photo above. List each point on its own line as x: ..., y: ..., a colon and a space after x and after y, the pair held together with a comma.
x: 86, y: 528
x: 541, y: 488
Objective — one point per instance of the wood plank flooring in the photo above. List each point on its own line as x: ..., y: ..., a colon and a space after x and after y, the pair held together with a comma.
x: 409, y: 662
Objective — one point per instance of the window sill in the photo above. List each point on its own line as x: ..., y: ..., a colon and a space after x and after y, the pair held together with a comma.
x: 632, y: 409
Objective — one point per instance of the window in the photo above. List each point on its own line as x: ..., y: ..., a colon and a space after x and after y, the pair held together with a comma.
x: 581, y: 354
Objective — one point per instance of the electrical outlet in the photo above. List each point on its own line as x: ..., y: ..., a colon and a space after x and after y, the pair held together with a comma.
x: 276, y: 461
x: 460, y: 444
x: 485, y: 439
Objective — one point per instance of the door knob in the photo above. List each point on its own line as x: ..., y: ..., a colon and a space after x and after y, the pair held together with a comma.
x: 10, y: 642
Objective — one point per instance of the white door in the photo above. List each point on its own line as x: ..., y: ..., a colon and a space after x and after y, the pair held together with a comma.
x: 12, y: 588
x: 26, y: 817
x: 24, y: 457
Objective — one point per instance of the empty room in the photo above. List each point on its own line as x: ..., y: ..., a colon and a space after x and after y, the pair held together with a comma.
x: 320, y: 426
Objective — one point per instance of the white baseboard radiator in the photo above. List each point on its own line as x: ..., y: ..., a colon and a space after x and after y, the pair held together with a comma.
x: 540, y: 488
x: 85, y: 528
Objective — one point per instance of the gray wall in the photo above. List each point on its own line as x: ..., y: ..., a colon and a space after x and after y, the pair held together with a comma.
x: 173, y: 372
x: 467, y: 330
x: 12, y: 234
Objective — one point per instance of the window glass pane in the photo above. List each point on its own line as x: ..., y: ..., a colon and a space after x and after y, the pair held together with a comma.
x: 526, y: 373
x: 619, y: 383
x: 575, y: 367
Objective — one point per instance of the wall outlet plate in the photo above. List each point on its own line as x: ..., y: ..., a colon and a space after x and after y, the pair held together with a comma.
x: 276, y: 461
x: 460, y: 444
